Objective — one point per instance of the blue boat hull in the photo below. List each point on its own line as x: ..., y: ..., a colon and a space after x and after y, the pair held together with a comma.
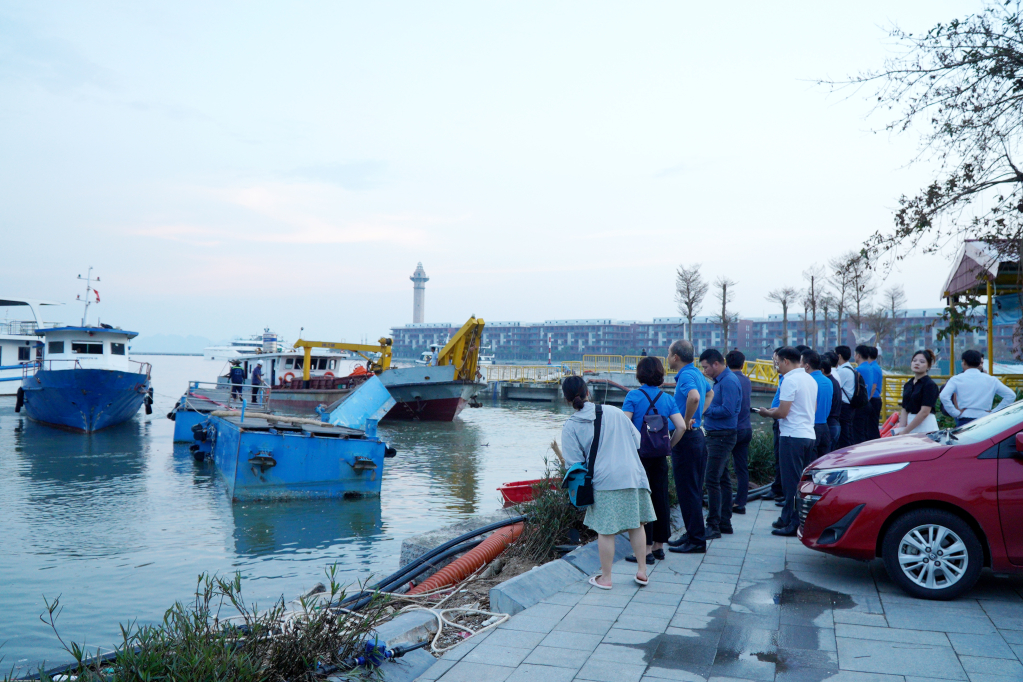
x: 184, y: 420
x: 84, y: 400
x: 262, y: 463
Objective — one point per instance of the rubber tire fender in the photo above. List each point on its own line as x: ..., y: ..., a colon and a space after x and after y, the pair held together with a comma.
x: 920, y: 517
x: 20, y: 400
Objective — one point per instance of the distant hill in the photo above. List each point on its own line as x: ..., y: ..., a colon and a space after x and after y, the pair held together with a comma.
x: 169, y: 343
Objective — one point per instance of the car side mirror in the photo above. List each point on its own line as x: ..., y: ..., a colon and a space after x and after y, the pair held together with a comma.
x: 1019, y: 443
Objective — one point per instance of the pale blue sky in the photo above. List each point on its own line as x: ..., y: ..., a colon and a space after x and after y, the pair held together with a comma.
x: 230, y: 166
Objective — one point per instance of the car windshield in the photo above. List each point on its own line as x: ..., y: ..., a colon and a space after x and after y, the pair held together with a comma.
x: 986, y: 427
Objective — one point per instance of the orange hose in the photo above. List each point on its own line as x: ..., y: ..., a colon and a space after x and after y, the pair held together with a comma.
x: 460, y: 568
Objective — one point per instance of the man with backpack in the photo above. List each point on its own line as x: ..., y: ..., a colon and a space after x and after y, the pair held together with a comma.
x: 854, y: 396
x: 864, y: 420
x: 720, y: 422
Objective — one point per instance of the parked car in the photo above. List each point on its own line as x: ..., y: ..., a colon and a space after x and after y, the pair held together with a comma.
x: 936, y: 508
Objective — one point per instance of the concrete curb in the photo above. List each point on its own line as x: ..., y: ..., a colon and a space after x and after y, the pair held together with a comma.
x: 532, y: 587
x: 587, y: 560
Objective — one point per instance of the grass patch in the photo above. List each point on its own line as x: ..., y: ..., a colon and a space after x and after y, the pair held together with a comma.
x: 218, y: 637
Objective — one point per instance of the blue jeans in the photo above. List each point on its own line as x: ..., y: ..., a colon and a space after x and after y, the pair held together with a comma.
x: 688, y: 466
x: 963, y: 421
x: 835, y: 429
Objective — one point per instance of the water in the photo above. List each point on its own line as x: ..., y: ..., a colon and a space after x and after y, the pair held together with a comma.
x: 119, y: 524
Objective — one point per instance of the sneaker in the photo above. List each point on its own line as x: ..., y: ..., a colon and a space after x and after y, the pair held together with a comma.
x: 682, y: 539
x: 649, y: 559
x: 689, y: 548
x: 738, y: 510
x: 726, y: 528
x: 712, y: 533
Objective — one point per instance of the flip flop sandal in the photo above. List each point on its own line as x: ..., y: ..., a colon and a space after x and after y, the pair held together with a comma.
x: 593, y: 581
x: 642, y: 583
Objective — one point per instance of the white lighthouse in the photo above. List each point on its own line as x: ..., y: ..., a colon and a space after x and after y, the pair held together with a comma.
x: 419, y: 280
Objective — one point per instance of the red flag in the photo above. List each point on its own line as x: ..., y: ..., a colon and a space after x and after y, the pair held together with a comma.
x: 97, y: 295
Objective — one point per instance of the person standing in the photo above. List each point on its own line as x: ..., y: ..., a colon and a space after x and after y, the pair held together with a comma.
x: 828, y: 361
x: 798, y: 402
x: 776, y: 490
x: 257, y: 380
x: 919, y: 395
x: 811, y: 361
x: 736, y: 361
x: 876, y: 402
x: 720, y: 422
x: 974, y: 391
x: 846, y: 376
x: 689, y: 455
x: 237, y: 378
x: 621, y: 491
x: 864, y: 420
x: 650, y: 400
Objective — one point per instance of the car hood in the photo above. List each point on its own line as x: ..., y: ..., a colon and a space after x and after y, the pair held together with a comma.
x: 916, y: 447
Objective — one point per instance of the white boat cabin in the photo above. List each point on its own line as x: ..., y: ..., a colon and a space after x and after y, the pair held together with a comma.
x: 20, y: 347
x: 87, y: 348
x: 288, y: 365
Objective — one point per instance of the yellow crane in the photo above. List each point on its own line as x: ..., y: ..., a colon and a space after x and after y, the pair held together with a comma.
x: 462, y: 351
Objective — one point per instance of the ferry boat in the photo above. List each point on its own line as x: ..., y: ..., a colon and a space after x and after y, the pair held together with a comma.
x: 20, y: 347
x: 85, y: 380
x: 240, y: 347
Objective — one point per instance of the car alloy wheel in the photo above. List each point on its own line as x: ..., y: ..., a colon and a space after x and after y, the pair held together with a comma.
x: 933, y: 556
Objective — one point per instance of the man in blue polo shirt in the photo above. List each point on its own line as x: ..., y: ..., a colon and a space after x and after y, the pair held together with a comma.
x: 720, y: 423
x: 864, y: 418
x: 689, y: 455
x: 811, y: 361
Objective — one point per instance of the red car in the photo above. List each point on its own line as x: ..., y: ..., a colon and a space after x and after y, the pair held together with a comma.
x: 936, y: 508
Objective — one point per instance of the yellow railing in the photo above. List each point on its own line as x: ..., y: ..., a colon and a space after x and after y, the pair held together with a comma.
x: 532, y: 373
x: 629, y: 362
x: 891, y: 389
x: 604, y: 363
x: 761, y: 372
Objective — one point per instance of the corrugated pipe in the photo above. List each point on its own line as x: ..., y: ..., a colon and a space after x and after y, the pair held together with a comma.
x: 463, y: 566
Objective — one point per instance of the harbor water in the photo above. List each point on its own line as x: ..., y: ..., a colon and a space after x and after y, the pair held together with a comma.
x: 118, y: 524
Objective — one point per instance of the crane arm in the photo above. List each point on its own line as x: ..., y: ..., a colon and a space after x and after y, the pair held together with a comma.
x: 384, y: 348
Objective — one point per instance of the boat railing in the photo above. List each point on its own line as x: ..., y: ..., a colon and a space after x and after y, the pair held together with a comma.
x: 19, y: 328
x: 228, y: 396
x: 50, y: 365
x: 144, y: 368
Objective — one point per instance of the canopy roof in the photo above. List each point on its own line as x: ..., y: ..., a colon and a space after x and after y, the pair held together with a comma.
x: 975, y: 265
x: 32, y: 303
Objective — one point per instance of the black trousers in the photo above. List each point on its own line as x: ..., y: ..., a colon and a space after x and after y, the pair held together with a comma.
x: 845, y: 422
x: 719, y: 482
x: 861, y: 424
x: 793, y: 452
x: 688, y: 464
x: 776, y: 488
x: 874, y: 429
x: 657, y: 474
x: 835, y: 431
x: 822, y: 442
x: 740, y: 460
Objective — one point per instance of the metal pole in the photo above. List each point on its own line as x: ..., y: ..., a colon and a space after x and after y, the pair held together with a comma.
x: 990, y: 333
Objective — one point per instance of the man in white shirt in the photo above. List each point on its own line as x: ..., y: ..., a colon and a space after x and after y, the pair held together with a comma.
x: 796, y: 408
x: 846, y: 376
x: 974, y: 391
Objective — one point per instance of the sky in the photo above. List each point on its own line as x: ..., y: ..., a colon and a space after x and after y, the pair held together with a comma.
x: 230, y: 166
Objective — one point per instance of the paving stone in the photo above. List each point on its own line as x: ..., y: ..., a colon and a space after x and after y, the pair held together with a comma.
x: 1012, y: 636
x: 593, y: 627
x: 577, y: 588
x: 564, y: 598
x: 707, y: 597
x: 699, y: 609
x: 899, y: 658
x: 459, y: 652
x: 917, y: 619
x: 586, y: 612
x: 856, y: 618
x: 515, y: 638
x: 667, y: 588
x: 476, y: 672
x: 980, y: 645
x: 645, y: 597
x: 716, y: 559
x: 609, y: 671
x: 709, y: 584
x: 529, y: 624
x: 642, y: 609
x: 691, y: 622
x: 891, y: 634
x: 558, y: 611
x: 620, y: 654
x: 561, y: 658
x: 586, y: 559
x: 579, y: 641
x: 607, y: 598
x: 800, y: 637
x: 797, y: 659
x: 541, y: 673
x: 719, y: 569
x: 655, y: 674
x: 496, y: 655
x: 436, y: 670
x: 992, y: 666
x: 745, y: 668
x: 621, y: 636
x: 811, y: 615
x: 670, y: 576
x: 753, y: 620
x: 642, y: 623
x: 1008, y: 616
x: 532, y: 587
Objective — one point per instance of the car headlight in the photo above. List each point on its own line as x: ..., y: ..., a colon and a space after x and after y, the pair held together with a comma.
x: 845, y: 475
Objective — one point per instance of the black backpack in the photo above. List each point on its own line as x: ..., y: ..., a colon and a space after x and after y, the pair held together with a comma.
x: 654, y: 438
x: 859, y: 398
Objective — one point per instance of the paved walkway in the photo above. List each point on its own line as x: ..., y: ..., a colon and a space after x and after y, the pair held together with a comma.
x: 755, y: 607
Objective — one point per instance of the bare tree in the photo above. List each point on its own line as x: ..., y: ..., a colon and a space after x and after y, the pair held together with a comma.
x: 814, y: 276
x: 862, y: 289
x: 725, y: 294
x: 894, y: 301
x: 841, y: 285
x: 827, y: 304
x: 879, y: 322
x: 784, y: 297
x: 690, y: 290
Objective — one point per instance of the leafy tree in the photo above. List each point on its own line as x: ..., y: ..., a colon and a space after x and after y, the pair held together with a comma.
x: 690, y: 290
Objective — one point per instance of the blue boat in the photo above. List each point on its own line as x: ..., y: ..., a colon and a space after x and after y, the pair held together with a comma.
x: 268, y: 457
x: 85, y: 380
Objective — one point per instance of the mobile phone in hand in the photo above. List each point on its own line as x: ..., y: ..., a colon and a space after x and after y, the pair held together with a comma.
x: 754, y: 410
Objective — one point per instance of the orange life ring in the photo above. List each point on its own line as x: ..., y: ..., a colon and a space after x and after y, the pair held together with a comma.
x: 289, y: 376
x: 328, y: 374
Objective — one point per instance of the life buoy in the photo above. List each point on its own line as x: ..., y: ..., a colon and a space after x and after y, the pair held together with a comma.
x: 329, y: 374
x: 288, y: 376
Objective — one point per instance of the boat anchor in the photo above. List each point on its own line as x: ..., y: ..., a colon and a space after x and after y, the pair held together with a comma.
x: 263, y: 460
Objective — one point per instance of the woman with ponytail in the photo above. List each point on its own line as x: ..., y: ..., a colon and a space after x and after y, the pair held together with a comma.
x: 919, y: 396
x: 621, y: 491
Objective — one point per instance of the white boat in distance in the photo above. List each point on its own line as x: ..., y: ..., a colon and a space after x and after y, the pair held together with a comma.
x: 240, y: 347
x: 20, y: 345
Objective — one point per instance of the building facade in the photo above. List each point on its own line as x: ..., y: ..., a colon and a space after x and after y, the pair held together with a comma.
x: 911, y: 330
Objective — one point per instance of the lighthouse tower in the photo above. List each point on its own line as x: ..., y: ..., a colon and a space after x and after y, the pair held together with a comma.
x: 419, y: 280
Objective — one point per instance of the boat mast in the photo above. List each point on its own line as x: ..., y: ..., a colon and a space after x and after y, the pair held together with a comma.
x: 88, y: 293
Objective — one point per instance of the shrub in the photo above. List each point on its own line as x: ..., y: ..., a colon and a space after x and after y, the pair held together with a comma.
x: 552, y: 520
x: 761, y: 458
